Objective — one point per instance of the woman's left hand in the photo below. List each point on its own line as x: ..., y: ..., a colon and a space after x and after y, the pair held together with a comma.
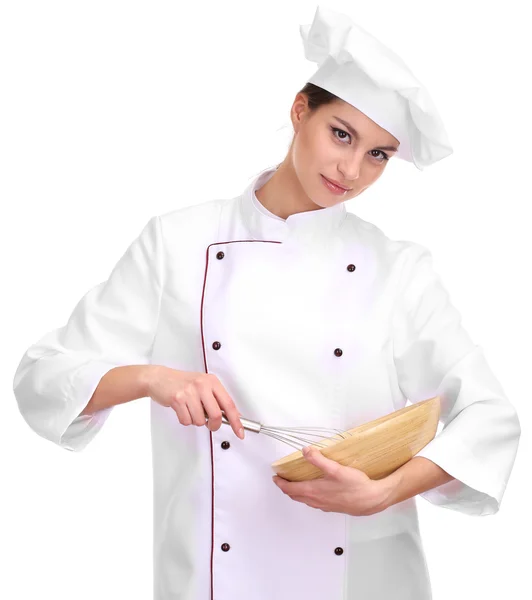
x: 341, y: 489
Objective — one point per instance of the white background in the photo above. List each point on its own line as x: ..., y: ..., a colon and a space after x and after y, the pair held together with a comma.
x: 113, y: 111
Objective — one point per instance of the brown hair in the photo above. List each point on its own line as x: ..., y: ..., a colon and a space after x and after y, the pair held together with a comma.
x: 317, y: 96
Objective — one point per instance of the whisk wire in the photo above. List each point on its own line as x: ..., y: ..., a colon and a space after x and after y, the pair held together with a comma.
x: 297, y: 437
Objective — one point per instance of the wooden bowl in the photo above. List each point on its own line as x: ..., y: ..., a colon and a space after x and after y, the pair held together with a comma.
x: 378, y: 447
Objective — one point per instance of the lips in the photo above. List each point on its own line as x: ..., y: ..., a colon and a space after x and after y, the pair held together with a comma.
x: 343, y: 187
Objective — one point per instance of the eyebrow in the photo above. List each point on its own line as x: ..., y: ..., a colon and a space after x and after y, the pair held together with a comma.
x: 354, y: 133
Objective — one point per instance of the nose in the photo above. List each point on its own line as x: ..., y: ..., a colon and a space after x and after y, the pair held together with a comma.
x: 351, y: 168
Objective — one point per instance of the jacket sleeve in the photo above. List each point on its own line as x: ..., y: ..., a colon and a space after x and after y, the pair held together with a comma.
x: 112, y: 325
x: 434, y: 356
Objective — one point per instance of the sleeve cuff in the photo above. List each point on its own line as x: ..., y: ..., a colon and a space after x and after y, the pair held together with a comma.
x: 472, y: 491
x: 75, y: 431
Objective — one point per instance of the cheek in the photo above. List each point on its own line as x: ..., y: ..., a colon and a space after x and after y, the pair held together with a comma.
x: 325, y: 149
x: 314, y: 146
x: 376, y: 173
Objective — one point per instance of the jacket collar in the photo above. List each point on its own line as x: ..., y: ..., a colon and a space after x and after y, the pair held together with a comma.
x: 305, y: 227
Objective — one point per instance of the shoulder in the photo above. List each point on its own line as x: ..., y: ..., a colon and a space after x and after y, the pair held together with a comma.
x: 398, y: 260
x: 200, y: 215
x: 371, y: 236
x: 195, y: 223
x: 188, y: 230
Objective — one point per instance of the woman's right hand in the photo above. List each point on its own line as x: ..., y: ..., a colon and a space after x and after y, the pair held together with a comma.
x: 195, y: 397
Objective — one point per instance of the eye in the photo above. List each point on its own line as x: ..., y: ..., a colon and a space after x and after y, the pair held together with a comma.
x: 338, y: 131
x: 384, y: 155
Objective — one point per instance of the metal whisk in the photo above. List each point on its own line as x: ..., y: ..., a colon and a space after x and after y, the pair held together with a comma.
x: 293, y: 436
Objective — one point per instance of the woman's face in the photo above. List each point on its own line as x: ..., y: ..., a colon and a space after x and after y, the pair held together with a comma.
x: 323, y: 145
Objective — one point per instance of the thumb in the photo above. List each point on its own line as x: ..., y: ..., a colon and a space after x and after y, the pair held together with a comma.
x: 314, y: 456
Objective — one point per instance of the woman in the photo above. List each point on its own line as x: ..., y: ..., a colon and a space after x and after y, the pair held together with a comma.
x: 281, y: 306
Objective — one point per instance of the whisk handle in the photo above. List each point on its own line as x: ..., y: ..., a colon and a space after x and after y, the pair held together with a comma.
x: 248, y: 424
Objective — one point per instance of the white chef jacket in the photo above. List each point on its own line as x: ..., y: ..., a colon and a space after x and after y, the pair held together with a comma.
x: 316, y: 320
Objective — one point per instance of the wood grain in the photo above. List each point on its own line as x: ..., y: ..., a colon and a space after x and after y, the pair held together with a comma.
x: 378, y: 447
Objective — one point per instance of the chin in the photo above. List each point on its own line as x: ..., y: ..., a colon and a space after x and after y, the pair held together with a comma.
x: 325, y: 203
x: 320, y: 200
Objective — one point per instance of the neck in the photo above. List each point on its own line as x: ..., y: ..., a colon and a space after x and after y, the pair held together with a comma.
x: 283, y: 195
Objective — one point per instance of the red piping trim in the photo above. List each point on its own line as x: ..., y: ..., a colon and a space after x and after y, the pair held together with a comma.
x: 206, y: 371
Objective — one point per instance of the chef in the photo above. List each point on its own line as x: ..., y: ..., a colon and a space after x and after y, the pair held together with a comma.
x: 306, y: 315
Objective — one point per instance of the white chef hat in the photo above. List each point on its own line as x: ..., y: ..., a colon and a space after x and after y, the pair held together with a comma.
x: 362, y: 71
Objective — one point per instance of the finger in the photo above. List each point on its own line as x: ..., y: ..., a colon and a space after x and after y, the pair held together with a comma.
x: 326, y: 465
x: 212, y: 410
x: 195, y: 401
x: 228, y: 406
x: 182, y: 412
x: 306, y: 500
x: 295, y: 488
